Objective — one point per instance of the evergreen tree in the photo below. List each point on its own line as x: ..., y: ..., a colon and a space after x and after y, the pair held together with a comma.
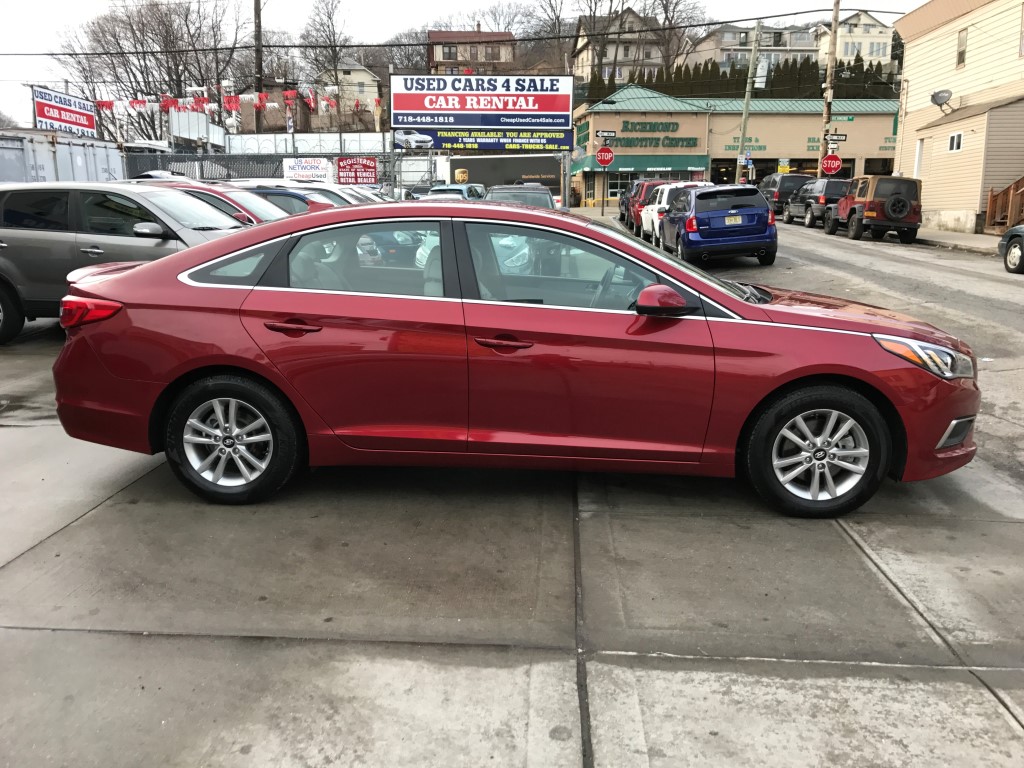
x: 686, y: 82
x: 632, y: 77
x: 859, y: 79
x: 714, y: 80
x: 659, y: 80
x: 611, y: 87
x: 776, y: 86
x: 596, y: 90
x: 677, y: 81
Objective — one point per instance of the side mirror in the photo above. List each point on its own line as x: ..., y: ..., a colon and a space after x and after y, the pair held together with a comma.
x: 149, y: 229
x: 663, y: 209
x: 661, y: 301
x: 242, y: 217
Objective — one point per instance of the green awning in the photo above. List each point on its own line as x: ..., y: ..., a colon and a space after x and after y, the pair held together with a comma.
x: 624, y: 163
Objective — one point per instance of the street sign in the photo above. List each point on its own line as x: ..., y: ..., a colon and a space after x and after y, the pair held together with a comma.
x: 605, y: 157
x: 835, y: 137
x: 605, y: 134
x: 831, y: 164
x: 832, y: 146
x: 748, y: 154
x: 842, y: 119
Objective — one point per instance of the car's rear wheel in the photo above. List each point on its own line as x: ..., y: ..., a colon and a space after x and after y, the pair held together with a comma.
x: 818, y: 452
x: 1013, y: 260
x: 908, y: 236
x: 232, y: 440
x: 12, y: 319
x: 787, y: 215
x: 766, y: 259
x: 622, y: 216
x: 830, y: 223
x: 855, y: 228
x: 809, y: 218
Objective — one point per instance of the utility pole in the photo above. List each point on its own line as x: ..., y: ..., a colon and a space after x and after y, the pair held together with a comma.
x: 829, y: 87
x: 751, y: 75
x: 257, y: 13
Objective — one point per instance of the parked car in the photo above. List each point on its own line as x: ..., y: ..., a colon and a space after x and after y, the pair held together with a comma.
x: 729, y: 220
x: 652, y: 213
x: 50, y: 229
x: 527, y: 194
x: 336, y: 194
x: 624, y: 198
x: 407, y: 138
x: 809, y: 201
x: 642, y: 196
x: 879, y: 205
x: 466, y: 191
x: 240, y: 204
x: 294, y: 200
x: 1009, y: 249
x: 240, y: 388
x: 777, y: 187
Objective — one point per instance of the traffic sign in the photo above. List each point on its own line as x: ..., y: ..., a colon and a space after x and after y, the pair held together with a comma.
x: 831, y: 164
x: 832, y: 147
x: 835, y: 137
x: 842, y: 119
x: 605, y: 156
x: 605, y: 134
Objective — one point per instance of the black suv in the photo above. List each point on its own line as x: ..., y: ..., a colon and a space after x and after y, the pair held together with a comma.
x: 624, y: 199
x: 777, y: 187
x: 808, y: 202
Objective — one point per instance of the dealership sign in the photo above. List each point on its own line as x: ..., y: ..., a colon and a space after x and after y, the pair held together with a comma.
x: 56, y: 111
x: 457, y: 112
x: 307, y: 168
x: 357, y: 170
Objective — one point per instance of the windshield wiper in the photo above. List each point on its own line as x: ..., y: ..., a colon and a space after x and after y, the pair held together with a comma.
x: 212, y: 229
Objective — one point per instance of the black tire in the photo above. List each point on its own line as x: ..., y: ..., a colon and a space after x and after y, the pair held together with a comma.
x: 689, y: 258
x: 645, y: 236
x: 830, y: 223
x: 766, y: 260
x: 907, y: 236
x: 1013, y: 261
x: 809, y: 221
x: 787, y: 215
x: 12, y: 319
x: 855, y: 227
x: 622, y: 216
x: 757, y: 458
x: 288, y: 452
x: 878, y: 234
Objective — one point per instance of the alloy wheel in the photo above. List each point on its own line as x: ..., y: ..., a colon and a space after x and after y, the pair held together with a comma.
x: 820, y: 455
x: 1013, y: 254
x: 228, y: 442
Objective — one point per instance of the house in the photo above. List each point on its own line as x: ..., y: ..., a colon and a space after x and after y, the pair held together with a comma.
x: 455, y: 52
x: 355, y: 90
x: 729, y: 43
x: 619, y: 44
x: 859, y: 33
x: 273, y: 120
x: 962, y: 108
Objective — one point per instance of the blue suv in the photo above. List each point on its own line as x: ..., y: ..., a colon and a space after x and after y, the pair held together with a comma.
x: 733, y: 220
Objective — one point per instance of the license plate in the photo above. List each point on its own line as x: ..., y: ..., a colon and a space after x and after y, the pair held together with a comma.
x: 730, y: 220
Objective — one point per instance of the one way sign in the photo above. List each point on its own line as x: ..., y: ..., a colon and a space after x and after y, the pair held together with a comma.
x: 835, y: 137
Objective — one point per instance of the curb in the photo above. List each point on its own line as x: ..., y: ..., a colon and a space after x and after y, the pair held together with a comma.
x: 959, y: 247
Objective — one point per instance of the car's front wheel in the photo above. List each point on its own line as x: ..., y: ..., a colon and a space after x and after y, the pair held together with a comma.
x: 12, y: 319
x: 1012, y: 261
x: 232, y: 440
x: 855, y: 228
x: 809, y: 218
x: 908, y: 236
x: 821, y: 451
x: 766, y: 259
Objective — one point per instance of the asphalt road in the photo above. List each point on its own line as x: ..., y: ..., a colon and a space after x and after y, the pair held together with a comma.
x: 461, y: 618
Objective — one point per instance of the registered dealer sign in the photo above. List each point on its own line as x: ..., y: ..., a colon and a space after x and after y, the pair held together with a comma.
x: 831, y: 164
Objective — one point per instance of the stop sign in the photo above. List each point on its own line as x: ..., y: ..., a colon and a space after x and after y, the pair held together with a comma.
x: 605, y: 156
x: 831, y: 164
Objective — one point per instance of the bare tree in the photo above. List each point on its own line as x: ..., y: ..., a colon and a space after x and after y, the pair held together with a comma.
x: 279, y: 60
x: 596, y: 18
x: 6, y: 121
x: 507, y: 17
x: 324, y: 46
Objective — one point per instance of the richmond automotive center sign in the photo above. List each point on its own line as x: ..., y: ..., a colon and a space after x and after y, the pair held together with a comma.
x: 56, y: 111
x: 458, y: 112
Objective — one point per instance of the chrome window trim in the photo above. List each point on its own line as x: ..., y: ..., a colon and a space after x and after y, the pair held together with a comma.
x: 633, y: 259
x: 351, y: 293
x: 531, y: 305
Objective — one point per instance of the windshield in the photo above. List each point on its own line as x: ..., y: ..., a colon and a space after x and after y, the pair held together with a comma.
x: 190, y: 212
x: 263, y: 209
x: 328, y: 194
x: 725, y: 286
x: 541, y: 199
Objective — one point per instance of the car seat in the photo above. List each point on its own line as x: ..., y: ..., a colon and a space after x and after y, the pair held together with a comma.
x: 433, y: 284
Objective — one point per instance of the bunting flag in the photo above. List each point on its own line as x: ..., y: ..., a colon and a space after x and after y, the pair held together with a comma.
x: 137, y: 103
x: 105, y: 106
x: 311, y: 103
x: 167, y: 103
x: 289, y: 95
x: 355, y: 106
x: 232, y: 103
x: 199, y: 103
x: 289, y: 102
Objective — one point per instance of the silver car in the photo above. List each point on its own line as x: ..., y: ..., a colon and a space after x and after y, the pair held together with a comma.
x: 50, y: 229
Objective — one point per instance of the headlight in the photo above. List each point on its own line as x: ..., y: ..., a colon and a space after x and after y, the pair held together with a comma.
x: 943, y: 362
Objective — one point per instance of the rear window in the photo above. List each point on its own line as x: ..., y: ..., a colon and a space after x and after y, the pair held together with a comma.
x: 893, y: 186
x: 37, y: 209
x: 729, y: 199
x: 791, y: 183
x: 837, y: 187
x: 539, y: 199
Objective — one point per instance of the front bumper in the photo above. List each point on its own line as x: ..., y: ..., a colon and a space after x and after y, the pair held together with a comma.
x: 929, y: 421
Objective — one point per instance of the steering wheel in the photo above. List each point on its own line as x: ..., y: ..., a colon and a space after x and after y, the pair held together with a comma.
x: 602, y: 289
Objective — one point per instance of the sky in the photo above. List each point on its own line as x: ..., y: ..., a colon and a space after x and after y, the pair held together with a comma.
x: 25, y: 28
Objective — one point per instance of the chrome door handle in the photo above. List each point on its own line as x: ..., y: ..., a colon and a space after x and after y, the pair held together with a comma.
x: 93, y: 251
x: 503, y: 343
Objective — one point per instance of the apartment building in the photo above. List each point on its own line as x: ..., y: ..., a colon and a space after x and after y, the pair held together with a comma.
x: 453, y: 52
x: 859, y: 33
x: 621, y: 44
x: 730, y: 43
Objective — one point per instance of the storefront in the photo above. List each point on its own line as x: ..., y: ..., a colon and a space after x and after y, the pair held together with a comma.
x: 662, y: 137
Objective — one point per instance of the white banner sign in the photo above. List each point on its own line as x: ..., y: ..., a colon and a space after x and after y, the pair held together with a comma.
x: 56, y: 111
x: 308, y: 168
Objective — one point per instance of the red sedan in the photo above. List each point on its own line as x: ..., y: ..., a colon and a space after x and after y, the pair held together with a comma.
x: 525, y: 339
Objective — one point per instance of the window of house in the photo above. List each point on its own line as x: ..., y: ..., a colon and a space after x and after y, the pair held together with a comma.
x: 492, y: 53
x: 346, y: 72
x: 473, y: 53
x: 451, y: 70
x: 869, y: 27
x: 360, y: 88
x: 648, y: 53
x: 955, y: 142
x: 728, y: 36
x: 961, y: 48
x: 625, y: 51
x: 776, y: 39
x: 449, y: 52
x: 629, y: 27
x: 743, y: 38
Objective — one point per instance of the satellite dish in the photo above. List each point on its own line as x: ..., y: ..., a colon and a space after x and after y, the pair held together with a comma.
x: 941, y: 97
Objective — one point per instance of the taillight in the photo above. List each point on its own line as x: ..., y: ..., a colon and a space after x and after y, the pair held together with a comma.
x: 691, y: 224
x: 821, y: 199
x: 661, y: 214
x: 775, y: 195
x: 76, y: 311
x: 771, y: 217
x: 870, y: 205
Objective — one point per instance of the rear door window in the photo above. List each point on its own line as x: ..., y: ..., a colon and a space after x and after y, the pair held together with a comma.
x: 45, y: 209
x: 729, y: 199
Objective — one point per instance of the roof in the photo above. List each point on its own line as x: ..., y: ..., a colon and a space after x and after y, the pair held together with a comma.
x: 635, y: 98
x: 590, y: 24
x: 933, y: 15
x: 468, y: 36
x: 972, y: 111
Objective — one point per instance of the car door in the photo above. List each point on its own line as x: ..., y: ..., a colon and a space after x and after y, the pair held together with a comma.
x: 37, y: 245
x: 378, y: 351
x: 105, y: 223
x: 559, y: 363
x: 798, y: 202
